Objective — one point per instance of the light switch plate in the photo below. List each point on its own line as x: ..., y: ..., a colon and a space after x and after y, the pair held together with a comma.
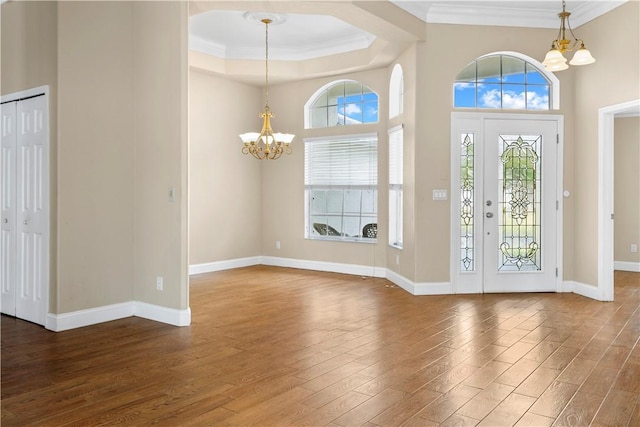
x: 440, y: 194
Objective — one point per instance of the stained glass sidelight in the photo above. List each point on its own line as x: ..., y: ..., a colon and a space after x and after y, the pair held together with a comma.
x: 519, y: 225
x: 467, y: 257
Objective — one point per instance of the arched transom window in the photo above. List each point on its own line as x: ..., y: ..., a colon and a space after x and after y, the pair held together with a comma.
x: 343, y: 102
x: 508, y: 81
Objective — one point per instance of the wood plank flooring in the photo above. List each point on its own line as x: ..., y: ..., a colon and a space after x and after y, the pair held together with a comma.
x: 275, y: 347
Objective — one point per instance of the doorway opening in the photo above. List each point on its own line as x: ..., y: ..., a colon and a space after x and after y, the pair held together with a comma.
x: 606, y: 120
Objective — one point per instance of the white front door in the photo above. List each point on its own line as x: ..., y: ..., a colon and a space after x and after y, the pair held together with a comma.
x: 505, y: 201
x: 25, y: 208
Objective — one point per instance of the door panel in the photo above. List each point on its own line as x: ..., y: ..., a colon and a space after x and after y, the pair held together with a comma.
x: 8, y: 257
x: 519, y: 206
x: 32, y: 218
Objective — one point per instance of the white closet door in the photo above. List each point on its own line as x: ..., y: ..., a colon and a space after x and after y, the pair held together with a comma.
x: 8, y: 257
x: 24, y: 246
x: 32, y: 201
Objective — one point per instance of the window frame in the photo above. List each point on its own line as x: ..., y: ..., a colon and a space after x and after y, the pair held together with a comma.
x: 553, y: 83
x: 396, y: 183
x: 309, y: 106
x: 396, y: 92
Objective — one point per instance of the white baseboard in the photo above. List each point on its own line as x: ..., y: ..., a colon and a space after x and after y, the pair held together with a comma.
x: 171, y: 316
x: 91, y: 316
x: 583, y: 289
x: 626, y: 266
x: 358, y: 270
x: 107, y: 313
x: 424, y: 288
x: 224, y: 265
x: 401, y: 281
x: 433, y: 288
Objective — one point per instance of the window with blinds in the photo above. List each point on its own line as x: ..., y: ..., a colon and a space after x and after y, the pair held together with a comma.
x: 341, y: 187
x: 396, y: 139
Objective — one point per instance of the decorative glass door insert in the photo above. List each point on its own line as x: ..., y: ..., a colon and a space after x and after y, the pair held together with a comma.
x: 519, y: 202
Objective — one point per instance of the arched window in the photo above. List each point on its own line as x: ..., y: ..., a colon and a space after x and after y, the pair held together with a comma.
x: 508, y: 81
x: 396, y: 92
x: 342, y: 102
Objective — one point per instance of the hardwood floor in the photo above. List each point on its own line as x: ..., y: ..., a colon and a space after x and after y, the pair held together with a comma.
x: 273, y: 347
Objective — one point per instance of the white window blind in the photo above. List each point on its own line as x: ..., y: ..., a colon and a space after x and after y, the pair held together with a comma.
x: 341, y: 161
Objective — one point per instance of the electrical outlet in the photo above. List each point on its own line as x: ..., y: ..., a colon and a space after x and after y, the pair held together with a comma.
x: 159, y: 283
x: 277, y: 244
x: 634, y: 248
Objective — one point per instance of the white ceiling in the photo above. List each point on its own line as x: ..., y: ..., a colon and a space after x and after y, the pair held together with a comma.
x: 228, y: 34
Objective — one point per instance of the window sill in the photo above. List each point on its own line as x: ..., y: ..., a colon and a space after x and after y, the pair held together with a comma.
x: 342, y: 239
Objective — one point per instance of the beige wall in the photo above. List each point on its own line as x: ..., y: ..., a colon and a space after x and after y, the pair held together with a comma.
x: 119, y: 140
x: 438, y: 66
x: 627, y: 188
x: 614, y: 40
x: 160, y: 96
x: 95, y: 246
x: 225, y: 197
x: 283, y: 180
x: 430, y: 68
x: 29, y: 58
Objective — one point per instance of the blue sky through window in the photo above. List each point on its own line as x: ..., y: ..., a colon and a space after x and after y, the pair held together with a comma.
x: 506, y: 83
x: 359, y: 108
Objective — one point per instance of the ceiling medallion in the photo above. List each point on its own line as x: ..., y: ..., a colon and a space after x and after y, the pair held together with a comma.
x: 259, y: 17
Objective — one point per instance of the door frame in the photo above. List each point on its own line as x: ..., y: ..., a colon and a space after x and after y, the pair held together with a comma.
x: 606, y: 121
x: 455, y: 180
x: 46, y: 262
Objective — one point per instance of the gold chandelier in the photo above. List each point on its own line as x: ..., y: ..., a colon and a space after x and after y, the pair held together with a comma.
x: 554, y: 60
x: 266, y: 145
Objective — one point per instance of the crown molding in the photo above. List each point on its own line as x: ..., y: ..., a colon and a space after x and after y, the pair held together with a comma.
x: 490, y: 15
x: 302, y: 53
x: 450, y: 12
x: 589, y: 11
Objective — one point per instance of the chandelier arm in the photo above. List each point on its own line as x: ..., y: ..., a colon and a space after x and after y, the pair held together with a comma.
x: 575, y: 39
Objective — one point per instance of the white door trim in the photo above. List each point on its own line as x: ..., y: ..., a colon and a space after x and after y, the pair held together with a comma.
x: 606, y: 116
x: 17, y: 96
x: 454, y: 239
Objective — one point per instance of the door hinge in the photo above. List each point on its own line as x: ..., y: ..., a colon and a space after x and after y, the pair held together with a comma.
x: 556, y: 271
x: 612, y: 216
x: 557, y: 138
x: 557, y: 204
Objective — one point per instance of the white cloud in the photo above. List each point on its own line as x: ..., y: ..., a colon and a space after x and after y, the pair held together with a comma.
x: 462, y: 85
x: 352, y: 109
x: 514, y: 100
x: 490, y: 99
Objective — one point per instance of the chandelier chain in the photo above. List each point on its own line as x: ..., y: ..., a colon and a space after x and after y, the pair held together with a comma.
x: 266, y: 62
